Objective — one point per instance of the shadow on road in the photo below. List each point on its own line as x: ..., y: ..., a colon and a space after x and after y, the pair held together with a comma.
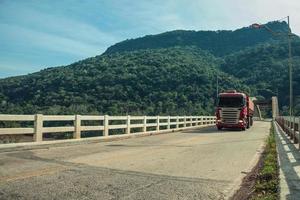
x: 212, y: 130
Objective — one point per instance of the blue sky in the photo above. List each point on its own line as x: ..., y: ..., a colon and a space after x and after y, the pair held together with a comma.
x: 35, y: 34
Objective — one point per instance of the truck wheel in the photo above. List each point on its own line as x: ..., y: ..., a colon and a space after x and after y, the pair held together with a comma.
x: 219, y: 128
x: 248, y: 123
x: 244, y: 128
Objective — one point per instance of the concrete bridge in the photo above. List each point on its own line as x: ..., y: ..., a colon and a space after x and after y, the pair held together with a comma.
x: 150, y: 157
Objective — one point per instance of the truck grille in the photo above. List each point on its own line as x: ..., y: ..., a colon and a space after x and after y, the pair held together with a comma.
x: 230, y: 115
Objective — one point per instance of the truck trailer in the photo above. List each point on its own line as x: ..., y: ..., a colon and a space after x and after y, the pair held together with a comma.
x: 234, y: 110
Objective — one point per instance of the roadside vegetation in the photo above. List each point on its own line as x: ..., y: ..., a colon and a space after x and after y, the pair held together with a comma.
x: 267, y: 182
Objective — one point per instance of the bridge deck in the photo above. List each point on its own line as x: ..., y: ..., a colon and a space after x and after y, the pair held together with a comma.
x: 195, y: 164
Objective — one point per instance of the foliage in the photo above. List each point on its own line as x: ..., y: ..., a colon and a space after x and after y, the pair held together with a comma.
x: 265, y: 70
x: 172, y: 73
x: 219, y: 43
x: 267, y: 184
x: 171, y: 81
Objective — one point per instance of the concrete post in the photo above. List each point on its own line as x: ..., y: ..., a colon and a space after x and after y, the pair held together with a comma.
x: 128, y: 125
x: 106, y: 124
x: 290, y: 127
x: 38, y: 128
x: 294, y: 130
x: 157, y: 121
x: 77, y: 124
x: 296, y: 121
x: 184, y: 120
x: 299, y: 133
x: 177, y: 121
x: 169, y: 123
x: 145, y: 124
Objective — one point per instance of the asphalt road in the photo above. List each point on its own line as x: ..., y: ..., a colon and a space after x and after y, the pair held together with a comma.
x: 196, y: 164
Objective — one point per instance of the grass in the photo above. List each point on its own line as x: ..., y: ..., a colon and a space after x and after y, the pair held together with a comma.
x: 267, y: 183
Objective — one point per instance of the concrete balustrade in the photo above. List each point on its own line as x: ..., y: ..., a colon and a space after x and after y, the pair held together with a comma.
x: 106, y: 123
x: 291, y: 127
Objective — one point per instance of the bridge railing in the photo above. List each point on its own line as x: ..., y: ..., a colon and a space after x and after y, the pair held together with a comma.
x: 76, y: 124
x: 291, y: 126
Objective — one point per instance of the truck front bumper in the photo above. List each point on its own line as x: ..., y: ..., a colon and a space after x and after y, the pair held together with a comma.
x: 240, y: 124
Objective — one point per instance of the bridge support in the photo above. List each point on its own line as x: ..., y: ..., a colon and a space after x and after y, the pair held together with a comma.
x: 145, y: 124
x: 77, y: 132
x: 38, y: 128
x: 259, y: 112
x: 105, y: 124
x: 169, y: 122
x: 128, y: 125
x: 157, y: 121
x: 275, y: 109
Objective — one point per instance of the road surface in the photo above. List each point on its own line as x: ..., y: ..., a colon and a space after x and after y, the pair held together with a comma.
x: 194, y: 164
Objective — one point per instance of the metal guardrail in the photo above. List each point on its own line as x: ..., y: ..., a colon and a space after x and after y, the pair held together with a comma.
x: 290, y: 126
x: 158, y: 123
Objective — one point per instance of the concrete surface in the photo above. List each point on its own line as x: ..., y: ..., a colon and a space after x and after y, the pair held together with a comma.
x: 289, y: 161
x: 194, y: 164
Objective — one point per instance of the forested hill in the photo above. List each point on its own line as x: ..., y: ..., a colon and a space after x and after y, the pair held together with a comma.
x: 174, y: 81
x: 264, y: 68
x: 173, y: 73
x: 219, y: 43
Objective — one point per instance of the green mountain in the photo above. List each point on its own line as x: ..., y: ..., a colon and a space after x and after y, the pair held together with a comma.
x: 218, y: 43
x: 173, y: 73
x: 178, y: 80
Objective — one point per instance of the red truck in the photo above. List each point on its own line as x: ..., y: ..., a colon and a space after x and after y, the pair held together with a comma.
x: 234, y: 110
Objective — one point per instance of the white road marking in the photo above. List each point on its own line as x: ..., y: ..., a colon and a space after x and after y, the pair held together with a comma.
x: 291, y: 157
x: 286, y: 148
x: 297, y: 170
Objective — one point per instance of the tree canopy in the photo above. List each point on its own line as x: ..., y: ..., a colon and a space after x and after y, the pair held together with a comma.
x: 173, y: 73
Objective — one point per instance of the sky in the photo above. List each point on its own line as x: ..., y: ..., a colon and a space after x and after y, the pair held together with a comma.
x: 37, y: 34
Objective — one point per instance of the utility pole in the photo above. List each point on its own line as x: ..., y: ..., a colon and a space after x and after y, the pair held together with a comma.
x: 290, y: 68
x: 289, y: 38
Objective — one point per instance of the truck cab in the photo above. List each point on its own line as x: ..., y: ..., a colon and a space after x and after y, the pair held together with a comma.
x: 234, y: 110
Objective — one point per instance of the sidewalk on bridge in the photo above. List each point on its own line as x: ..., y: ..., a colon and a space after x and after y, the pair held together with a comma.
x: 289, y: 162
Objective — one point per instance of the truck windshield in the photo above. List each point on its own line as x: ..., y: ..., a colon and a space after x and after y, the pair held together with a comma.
x: 231, y: 102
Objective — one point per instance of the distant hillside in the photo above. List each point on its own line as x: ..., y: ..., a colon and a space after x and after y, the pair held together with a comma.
x: 173, y: 81
x: 172, y: 73
x: 265, y: 69
x: 219, y: 43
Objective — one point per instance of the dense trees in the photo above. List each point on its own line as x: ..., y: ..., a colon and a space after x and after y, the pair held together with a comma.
x: 166, y: 74
x: 264, y: 69
x: 178, y: 80
x: 219, y: 43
